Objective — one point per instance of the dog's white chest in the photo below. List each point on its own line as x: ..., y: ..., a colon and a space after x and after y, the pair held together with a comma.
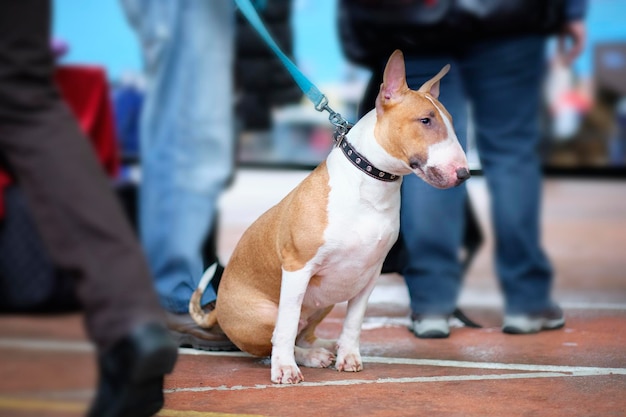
x: 363, y: 224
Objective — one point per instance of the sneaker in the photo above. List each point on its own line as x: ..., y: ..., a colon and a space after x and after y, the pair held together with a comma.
x: 549, y: 319
x: 430, y: 326
x: 438, y: 326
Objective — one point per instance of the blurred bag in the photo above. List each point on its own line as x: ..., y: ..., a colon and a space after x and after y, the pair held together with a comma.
x: 262, y: 81
x: 397, y: 257
x: 372, y: 29
x: 29, y: 281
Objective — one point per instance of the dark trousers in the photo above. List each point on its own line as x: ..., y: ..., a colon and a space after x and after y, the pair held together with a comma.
x: 72, y: 201
x: 501, y: 80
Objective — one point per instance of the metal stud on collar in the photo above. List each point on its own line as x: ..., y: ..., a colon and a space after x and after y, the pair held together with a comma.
x: 364, y: 165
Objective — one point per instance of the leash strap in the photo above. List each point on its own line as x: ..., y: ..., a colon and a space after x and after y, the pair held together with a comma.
x: 308, y: 88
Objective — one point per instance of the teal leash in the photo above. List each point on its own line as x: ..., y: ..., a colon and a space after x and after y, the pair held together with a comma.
x: 309, y: 89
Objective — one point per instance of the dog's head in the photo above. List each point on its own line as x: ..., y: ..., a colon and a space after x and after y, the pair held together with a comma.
x: 415, y: 128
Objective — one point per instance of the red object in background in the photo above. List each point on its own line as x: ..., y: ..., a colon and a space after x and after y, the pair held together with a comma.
x: 86, y: 91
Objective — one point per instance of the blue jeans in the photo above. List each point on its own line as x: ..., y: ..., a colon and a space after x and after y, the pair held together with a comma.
x: 500, y: 81
x: 186, y: 135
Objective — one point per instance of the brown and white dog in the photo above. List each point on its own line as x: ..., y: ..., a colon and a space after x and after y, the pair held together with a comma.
x: 326, y: 241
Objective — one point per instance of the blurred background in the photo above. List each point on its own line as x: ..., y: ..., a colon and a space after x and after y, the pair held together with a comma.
x: 583, y: 219
x: 584, y: 106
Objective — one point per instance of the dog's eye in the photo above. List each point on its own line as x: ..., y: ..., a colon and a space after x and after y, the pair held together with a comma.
x: 425, y: 121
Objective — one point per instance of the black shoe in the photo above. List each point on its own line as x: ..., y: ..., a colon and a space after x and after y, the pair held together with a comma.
x: 131, y: 373
x: 187, y: 333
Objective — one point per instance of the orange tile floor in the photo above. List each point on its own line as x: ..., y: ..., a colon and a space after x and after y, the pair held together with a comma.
x: 47, y: 364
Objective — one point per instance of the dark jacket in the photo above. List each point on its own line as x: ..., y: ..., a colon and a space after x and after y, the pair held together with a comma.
x: 371, y: 29
x: 261, y: 80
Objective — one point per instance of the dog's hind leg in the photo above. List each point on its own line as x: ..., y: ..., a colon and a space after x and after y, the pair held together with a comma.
x: 306, y: 336
x: 315, y: 357
x: 312, y: 351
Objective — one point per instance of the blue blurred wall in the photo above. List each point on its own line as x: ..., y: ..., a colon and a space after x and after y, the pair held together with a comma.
x: 98, y: 33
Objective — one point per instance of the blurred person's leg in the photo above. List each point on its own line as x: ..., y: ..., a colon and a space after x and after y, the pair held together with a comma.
x: 187, y: 138
x: 79, y: 218
x: 432, y: 220
x: 72, y: 200
x: 187, y: 146
x: 504, y: 79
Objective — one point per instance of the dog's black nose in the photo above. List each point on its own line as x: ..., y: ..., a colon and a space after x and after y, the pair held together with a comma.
x: 462, y: 174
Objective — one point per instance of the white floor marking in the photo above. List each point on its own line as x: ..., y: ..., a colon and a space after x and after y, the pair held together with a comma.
x: 528, y: 371
x: 406, y: 380
x: 586, y: 370
x: 574, y: 305
x: 44, y: 344
x: 397, y: 294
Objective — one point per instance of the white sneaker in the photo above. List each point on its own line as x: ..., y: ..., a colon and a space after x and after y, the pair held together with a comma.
x: 549, y: 319
x: 430, y: 327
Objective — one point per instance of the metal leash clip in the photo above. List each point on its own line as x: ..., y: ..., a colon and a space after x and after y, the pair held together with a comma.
x: 342, y: 126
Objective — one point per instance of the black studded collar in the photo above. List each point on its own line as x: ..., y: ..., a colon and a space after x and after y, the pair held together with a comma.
x: 362, y: 163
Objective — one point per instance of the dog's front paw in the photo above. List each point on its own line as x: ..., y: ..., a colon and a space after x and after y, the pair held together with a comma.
x: 286, y: 374
x: 317, y: 357
x: 350, y: 362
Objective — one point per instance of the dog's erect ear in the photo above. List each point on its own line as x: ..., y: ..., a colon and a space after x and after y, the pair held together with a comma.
x: 432, y: 86
x: 394, y: 81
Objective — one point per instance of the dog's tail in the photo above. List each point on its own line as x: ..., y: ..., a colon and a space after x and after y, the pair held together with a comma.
x: 202, y: 318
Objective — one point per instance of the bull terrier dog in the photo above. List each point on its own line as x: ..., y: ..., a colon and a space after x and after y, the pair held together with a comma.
x: 326, y: 241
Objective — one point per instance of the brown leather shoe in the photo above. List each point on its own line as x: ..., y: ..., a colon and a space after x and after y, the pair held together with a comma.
x: 187, y: 333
